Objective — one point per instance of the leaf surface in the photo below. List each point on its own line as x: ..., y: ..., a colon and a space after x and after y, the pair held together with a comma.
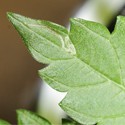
x: 2, y: 122
x: 87, y: 62
x: 28, y: 118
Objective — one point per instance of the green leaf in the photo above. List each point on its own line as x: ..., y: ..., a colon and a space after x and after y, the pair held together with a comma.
x: 91, y: 68
x: 28, y: 118
x: 2, y: 122
x: 47, y: 35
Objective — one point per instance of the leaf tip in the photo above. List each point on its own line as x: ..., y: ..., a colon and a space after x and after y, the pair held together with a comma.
x: 9, y: 15
x: 13, y: 17
x: 20, y: 111
x: 61, y: 105
x: 72, y: 20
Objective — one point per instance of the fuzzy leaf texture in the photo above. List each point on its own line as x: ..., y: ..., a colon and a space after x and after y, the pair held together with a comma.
x: 87, y: 62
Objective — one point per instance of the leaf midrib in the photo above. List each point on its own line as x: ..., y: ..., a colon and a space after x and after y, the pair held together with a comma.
x: 71, y: 56
x: 40, y: 35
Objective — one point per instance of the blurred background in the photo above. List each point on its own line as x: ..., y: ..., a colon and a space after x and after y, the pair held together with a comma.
x: 19, y: 81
